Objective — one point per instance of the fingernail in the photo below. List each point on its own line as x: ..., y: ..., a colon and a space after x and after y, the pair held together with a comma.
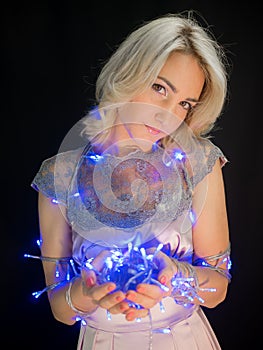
x: 123, y: 307
x: 111, y: 288
x: 163, y: 279
x: 130, y: 316
x: 131, y: 296
x: 90, y: 281
x: 141, y: 289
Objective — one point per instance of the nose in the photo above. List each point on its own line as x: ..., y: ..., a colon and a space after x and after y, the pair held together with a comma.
x: 167, y: 121
x: 159, y: 117
x: 163, y: 116
x: 163, y: 120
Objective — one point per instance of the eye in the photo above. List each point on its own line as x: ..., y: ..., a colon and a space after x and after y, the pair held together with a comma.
x: 186, y: 105
x: 160, y: 89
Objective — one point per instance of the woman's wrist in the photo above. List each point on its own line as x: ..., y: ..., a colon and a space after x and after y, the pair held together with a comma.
x: 185, y: 284
x: 75, y: 284
x: 185, y: 270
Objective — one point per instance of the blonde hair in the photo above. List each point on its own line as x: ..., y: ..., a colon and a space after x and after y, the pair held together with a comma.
x: 136, y: 63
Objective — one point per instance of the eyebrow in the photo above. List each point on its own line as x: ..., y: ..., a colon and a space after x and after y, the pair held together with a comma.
x: 173, y: 88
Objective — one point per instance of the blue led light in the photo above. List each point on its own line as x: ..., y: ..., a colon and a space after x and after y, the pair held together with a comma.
x: 129, y: 268
x: 54, y: 200
x: 95, y: 157
x: 179, y: 155
x: 192, y: 216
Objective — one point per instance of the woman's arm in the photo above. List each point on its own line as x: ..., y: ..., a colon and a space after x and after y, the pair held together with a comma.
x: 86, y: 295
x: 56, y: 242
x: 211, y: 234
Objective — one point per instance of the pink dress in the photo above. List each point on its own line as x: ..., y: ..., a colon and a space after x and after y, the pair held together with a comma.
x: 109, y: 201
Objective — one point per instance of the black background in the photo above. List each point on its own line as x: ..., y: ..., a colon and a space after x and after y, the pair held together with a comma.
x: 51, y: 54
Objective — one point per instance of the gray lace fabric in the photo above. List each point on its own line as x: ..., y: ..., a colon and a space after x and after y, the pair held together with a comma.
x: 111, y: 201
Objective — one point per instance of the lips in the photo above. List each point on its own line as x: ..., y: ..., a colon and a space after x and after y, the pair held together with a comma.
x: 152, y: 130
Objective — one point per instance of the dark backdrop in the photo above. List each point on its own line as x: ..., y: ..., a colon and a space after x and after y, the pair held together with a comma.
x: 51, y: 54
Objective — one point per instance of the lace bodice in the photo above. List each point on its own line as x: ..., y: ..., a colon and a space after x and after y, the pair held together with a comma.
x: 111, y: 200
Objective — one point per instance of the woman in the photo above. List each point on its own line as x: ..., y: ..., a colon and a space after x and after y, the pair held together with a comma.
x: 133, y: 221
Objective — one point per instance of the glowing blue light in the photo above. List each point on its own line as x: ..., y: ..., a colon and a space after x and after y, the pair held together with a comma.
x: 36, y: 294
x: 168, y: 163
x: 162, y: 309
x: 160, y: 246
x: 54, y: 200
x: 84, y: 322
x: 166, y: 330
x: 68, y: 276
x: 88, y: 265
x: 154, y: 146
x: 76, y: 194
x: 109, y: 263
x: 95, y: 157
x: 162, y: 330
x: 179, y: 155
x: 163, y: 287
x: 192, y: 216
x: 129, y: 268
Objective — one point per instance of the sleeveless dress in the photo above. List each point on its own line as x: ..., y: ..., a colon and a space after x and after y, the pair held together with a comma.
x: 144, y: 198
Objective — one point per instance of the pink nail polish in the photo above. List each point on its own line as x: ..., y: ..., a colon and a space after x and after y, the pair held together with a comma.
x: 163, y: 279
x: 131, y: 296
x: 111, y: 288
x: 89, y: 281
x: 130, y: 315
x: 141, y: 289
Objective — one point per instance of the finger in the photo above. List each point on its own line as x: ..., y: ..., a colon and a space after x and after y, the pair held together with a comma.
x: 163, y: 261
x: 99, y: 260
x: 150, y: 290
x: 110, y: 301
x: 97, y: 263
x: 167, y: 268
x: 98, y: 292
x: 89, y: 279
x: 166, y: 274
x: 145, y: 296
x: 89, y: 274
x: 135, y: 314
x: 119, y: 308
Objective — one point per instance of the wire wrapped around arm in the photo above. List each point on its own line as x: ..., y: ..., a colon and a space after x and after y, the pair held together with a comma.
x: 185, y: 284
x: 80, y: 315
x: 221, y: 259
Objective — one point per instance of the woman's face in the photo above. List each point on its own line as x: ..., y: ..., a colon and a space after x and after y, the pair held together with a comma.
x: 159, y: 110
